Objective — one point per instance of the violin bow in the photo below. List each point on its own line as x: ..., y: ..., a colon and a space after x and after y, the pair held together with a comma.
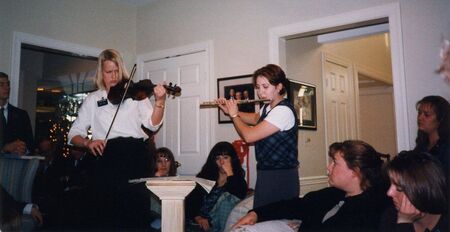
x: 133, y: 70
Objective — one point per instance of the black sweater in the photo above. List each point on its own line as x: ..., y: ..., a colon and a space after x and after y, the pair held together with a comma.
x: 389, y: 223
x: 359, y: 213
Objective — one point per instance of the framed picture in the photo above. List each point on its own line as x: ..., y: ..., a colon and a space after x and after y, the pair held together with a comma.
x: 303, y: 97
x: 240, y: 88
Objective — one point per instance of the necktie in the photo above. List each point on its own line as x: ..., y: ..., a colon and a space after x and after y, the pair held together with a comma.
x: 332, y: 211
x: 2, y: 126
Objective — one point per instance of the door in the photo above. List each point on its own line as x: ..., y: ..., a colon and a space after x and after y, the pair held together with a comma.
x: 186, y: 128
x: 339, y: 99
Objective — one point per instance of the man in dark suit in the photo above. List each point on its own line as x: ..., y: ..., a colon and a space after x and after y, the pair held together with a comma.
x: 16, y: 135
x: 10, y: 210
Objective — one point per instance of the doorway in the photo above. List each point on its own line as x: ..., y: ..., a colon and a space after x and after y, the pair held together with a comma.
x: 313, y: 173
x: 45, y: 74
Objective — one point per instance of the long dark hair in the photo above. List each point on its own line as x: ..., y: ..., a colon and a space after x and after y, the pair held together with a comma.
x: 422, y: 179
x: 441, y: 108
x: 210, y: 170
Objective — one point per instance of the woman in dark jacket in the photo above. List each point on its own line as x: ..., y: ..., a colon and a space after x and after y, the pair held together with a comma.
x: 433, y: 135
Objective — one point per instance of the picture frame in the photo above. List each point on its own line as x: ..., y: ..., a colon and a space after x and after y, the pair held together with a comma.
x: 303, y: 97
x: 242, y: 88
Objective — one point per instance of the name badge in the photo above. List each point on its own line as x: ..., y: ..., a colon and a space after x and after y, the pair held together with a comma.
x: 102, y: 102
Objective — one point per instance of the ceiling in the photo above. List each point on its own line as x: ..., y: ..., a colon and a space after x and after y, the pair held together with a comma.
x: 136, y: 2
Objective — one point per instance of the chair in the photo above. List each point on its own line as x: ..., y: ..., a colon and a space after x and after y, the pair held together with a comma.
x: 17, y: 175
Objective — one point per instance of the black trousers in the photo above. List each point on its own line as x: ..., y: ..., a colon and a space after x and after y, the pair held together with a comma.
x: 117, y: 204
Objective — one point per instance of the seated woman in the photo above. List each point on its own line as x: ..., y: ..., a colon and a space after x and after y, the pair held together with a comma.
x: 433, y: 134
x: 165, y: 166
x: 202, y: 210
x: 418, y: 190
x: 165, y: 163
x: 354, y: 202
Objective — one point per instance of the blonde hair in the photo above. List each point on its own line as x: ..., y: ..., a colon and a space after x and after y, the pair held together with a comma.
x: 114, y: 56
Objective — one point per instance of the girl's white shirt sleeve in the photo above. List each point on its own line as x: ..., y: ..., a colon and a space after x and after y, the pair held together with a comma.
x: 282, y: 117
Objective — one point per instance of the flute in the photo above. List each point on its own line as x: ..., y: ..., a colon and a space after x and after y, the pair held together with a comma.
x: 210, y: 104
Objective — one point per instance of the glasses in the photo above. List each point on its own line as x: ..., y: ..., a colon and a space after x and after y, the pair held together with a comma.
x: 4, y: 83
x: 163, y: 160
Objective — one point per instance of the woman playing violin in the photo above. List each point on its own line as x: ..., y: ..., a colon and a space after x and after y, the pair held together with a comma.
x: 124, y: 154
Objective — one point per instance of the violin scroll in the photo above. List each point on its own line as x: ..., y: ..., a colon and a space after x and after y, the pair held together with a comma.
x: 173, y: 90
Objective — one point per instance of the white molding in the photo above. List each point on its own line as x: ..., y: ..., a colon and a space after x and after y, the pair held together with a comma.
x: 19, y: 38
x: 312, y: 183
x: 206, y: 46
x: 379, y: 90
x: 373, y: 73
x: 390, y: 11
x: 352, y: 33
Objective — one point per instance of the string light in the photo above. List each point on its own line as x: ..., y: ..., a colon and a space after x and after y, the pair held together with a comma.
x: 66, y: 114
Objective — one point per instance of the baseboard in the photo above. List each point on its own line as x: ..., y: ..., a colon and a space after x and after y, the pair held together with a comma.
x: 312, y: 183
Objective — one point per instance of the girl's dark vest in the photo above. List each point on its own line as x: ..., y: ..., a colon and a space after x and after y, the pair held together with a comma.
x: 279, y: 150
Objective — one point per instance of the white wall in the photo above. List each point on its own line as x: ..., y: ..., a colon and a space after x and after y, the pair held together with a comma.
x: 377, y: 119
x: 100, y: 24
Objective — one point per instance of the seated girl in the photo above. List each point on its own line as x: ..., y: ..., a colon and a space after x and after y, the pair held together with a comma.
x: 165, y: 163
x: 354, y: 202
x: 419, y: 192
x: 165, y: 166
x: 203, y: 212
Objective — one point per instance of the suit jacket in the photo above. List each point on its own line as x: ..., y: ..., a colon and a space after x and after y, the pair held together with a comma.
x: 18, y: 126
x: 9, y: 207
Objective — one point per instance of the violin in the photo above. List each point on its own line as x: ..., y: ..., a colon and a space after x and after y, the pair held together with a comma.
x: 138, y: 91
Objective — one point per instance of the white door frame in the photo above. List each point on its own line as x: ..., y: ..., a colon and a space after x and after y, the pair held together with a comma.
x: 20, y: 38
x: 206, y: 46
x: 277, y: 46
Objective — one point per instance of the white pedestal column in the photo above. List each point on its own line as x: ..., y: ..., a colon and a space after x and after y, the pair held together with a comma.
x: 172, y: 194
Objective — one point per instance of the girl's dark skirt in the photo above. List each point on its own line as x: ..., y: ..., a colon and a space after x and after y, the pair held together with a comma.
x: 276, y: 185
x: 116, y: 203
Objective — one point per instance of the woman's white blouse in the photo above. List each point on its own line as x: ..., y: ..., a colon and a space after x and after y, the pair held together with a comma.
x: 281, y: 117
x: 132, y: 114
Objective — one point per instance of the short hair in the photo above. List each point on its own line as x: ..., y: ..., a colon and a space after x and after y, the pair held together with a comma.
x: 166, y: 153
x: 362, y: 158
x: 441, y: 108
x: 3, y: 75
x: 114, y: 56
x: 274, y: 74
x: 422, y: 179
